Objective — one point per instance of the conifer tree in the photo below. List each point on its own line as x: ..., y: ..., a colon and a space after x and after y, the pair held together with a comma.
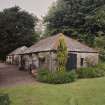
x: 61, y: 54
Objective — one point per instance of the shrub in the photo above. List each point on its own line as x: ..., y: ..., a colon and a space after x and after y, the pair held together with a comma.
x: 92, y: 72
x: 4, y: 99
x: 102, y: 54
x: 86, y: 73
x: 56, y: 77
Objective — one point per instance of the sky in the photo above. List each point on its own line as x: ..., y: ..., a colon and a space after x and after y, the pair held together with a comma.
x: 37, y: 7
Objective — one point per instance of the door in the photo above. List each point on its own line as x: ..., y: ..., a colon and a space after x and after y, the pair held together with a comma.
x: 72, y: 61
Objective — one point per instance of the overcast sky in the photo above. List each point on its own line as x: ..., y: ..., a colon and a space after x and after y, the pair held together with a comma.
x: 37, y: 7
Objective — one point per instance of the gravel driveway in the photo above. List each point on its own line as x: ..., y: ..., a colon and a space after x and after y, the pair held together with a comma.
x: 11, y: 76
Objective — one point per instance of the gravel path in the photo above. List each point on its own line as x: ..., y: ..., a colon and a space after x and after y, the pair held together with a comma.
x: 11, y: 76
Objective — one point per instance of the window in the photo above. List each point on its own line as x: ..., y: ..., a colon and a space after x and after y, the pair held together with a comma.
x: 82, y: 62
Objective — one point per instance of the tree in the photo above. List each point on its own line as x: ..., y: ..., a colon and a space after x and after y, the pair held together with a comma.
x: 61, y: 54
x: 70, y: 18
x: 100, y: 46
x: 96, y: 21
x: 17, y: 28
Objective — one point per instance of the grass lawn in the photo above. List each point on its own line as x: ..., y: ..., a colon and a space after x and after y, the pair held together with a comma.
x: 81, y: 92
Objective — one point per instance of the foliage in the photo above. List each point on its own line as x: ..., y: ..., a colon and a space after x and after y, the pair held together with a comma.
x: 80, y: 19
x: 61, y: 54
x: 56, y: 77
x: 102, y: 54
x: 4, y: 99
x: 100, y: 42
x: 100, y: 45
x: 96, y: 20
x: 92, y: 72
x: 17, y: 28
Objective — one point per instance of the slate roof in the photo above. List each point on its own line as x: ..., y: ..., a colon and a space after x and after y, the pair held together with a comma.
x: 18, y: 51
x: 51, y: 43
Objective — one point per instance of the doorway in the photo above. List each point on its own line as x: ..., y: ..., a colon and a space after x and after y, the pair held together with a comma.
x: 72, y: 61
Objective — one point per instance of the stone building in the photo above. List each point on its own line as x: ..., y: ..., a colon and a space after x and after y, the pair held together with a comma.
x: 43, y: 54
x: 14, y: 56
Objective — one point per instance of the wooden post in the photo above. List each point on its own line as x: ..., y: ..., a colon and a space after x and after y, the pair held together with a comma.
x: 37, y: 55
x: 51, y: 61
x: 12, y: 59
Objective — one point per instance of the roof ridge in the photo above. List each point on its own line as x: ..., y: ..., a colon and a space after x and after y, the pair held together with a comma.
x: 15, y: 51
x: 56, y: 42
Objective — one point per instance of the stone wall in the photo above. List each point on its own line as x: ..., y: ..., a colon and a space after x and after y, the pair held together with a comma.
x: 9, y: 59
x: 45, y: 60
x: 41, y: 60
x: 48, y: 60
x: 35, y: 60
x: 52, y: 61
x: 89, y: 59
x: 16, y: 59
x: 13, y: 59
x: 27, y: 61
